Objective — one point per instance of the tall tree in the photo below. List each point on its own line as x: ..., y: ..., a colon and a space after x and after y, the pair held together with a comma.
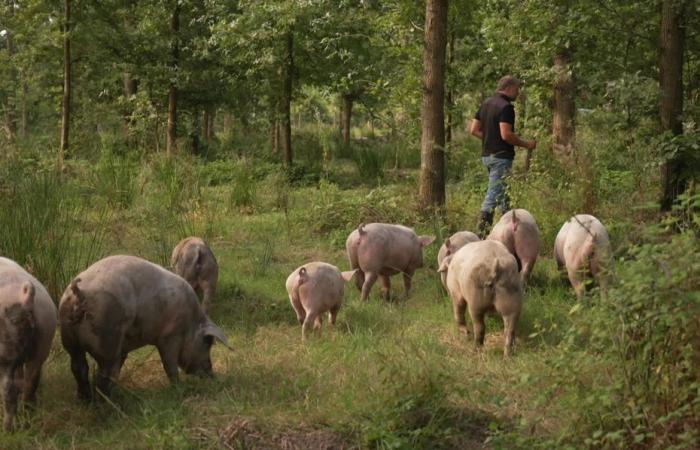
x: 66, y: 103
x: 287, y: 73
x: 171, y: 136
x: 563, y: 104
x: 10, y: 104
x: 432, y: 173
x: 673, y: 181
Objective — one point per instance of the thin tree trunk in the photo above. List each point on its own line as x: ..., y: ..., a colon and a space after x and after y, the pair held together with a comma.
x: 66, y: 103
x: 673, y: 183
x: 209, y: 115
x: 432, y: 174
x: 286, y: 101
x: 348, y: 100
x: 24, y: 122
x: 11, y: 106
x: 563, y: 110
x: 129, y: 83
x: 449, y: 100
x: 171, y: 142
x: 129, y: 86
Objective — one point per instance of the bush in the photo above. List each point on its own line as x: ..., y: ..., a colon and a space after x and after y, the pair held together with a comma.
x: 628, y: 371
x: 370, y: 162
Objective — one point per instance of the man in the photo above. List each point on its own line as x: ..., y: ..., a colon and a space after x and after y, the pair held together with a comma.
x: 494, y: 124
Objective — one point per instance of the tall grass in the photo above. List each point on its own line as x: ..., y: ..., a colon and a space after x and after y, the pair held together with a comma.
x: 48, y: 228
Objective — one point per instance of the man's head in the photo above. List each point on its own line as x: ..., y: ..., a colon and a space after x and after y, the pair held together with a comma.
x: 510, y: 86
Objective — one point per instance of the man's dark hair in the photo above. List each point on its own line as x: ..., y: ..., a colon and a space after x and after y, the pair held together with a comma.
x: 508, y: 81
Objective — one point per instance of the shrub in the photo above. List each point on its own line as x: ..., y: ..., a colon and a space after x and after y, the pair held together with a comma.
x: 370, y: 162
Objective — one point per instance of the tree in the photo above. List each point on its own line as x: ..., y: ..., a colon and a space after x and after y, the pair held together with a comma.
x: 673, y: 180
x: 171, y: 142
x: 66, y: 102
x: 432, y: 174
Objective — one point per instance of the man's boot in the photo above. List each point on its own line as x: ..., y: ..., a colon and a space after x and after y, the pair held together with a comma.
x: 485, y: 221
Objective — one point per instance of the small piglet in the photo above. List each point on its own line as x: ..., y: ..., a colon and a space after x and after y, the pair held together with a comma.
x: 122, y: 303
x: 316, y: 288
x: 582, y: 248
x: 483, y: 276
x: 451, y: 245
x: 518, y: 231
x: 194, y: 261
x: 380, y: 250
x: 27, y: 326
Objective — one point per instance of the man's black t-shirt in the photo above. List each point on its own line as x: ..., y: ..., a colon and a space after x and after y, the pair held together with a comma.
x: 494, y: 110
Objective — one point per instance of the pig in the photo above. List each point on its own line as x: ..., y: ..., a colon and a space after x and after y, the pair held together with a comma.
x: 582, y: 248
x: 194, y: 261
x: 518, y: 231
x: 122, y: 303
x: 483, y: 276
x: 316, y: 288
x: 27, y: 326
x: 380, y: 250
x: 451, y: 245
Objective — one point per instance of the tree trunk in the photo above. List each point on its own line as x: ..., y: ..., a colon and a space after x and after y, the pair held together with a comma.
x: 66, y: 103
x: 129, y: 87
x: 432, y: 174
x: 286, y: 101
x: 673, y: 182
x: 449, y: 100
x: 209, y: 116
x: 24, y: 122
x: 348, y: 100
x: 11, y: 106
x: 563, y: 109
x: 171, y: 142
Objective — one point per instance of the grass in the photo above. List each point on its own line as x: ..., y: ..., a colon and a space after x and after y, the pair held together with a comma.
x: 389, y: 375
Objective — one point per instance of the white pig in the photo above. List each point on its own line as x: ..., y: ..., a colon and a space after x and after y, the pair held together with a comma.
x: 194, y: 261
x: 483, y: 276
x: 122, y: 303
x: 316, y: 288
x: 27, y: 326
x: 582, y: 248
x: 380, y: 250
x: 518, y: 231
x: 451, y: 245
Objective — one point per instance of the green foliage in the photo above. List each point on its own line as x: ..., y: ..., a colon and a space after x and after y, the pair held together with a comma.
x: 116, y: 175
x: 370, y: 162
x: 47, y: 228
x: 243, y: 187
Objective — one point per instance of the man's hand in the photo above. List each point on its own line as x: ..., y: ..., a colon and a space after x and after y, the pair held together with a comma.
x: 530, y: 145
x: 475, y: 129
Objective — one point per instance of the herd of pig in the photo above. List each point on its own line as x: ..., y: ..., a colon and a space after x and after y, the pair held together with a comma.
x: 121, y: 303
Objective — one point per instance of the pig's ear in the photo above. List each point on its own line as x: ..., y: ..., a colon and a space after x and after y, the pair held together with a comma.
x: 27, y: 295
x: 210, y: 329
x: 444, y: 265
x: 425, y: 240
x: 347, y: 276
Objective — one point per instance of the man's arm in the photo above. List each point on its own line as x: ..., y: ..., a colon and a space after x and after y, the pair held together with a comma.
x: 475, y: 129
x: 510, y: 137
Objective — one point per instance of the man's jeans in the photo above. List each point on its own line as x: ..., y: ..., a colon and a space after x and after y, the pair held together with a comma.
x: 496, y: 194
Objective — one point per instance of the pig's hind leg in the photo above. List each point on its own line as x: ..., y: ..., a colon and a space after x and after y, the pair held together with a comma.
x: 370, y: 279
